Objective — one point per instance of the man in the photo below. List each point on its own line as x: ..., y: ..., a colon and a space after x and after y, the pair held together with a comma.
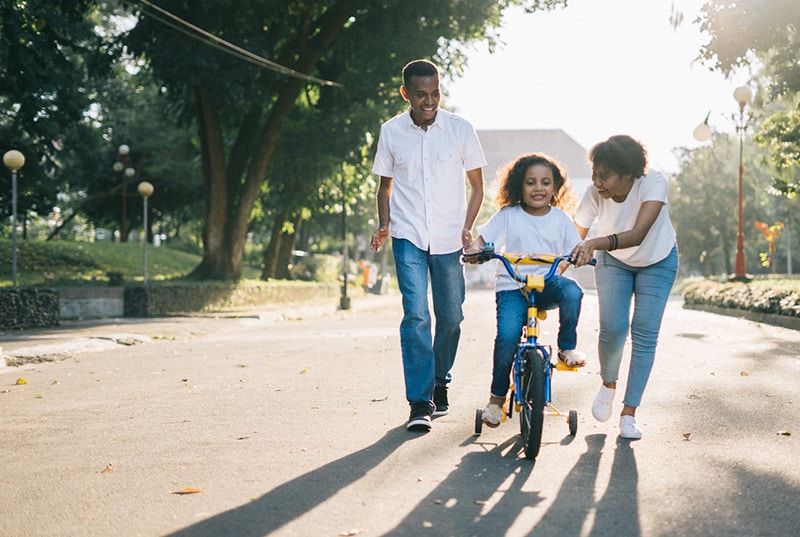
x: 421, y: 158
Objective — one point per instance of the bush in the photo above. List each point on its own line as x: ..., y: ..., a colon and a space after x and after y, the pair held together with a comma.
x: 765, y: 296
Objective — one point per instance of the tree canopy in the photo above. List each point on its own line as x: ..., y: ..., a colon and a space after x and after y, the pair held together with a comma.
x: 353, y: 51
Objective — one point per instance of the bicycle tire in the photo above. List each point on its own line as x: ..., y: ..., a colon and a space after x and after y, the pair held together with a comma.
x: 531, y: 416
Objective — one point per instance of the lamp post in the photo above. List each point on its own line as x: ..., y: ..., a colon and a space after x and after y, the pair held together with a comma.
x: 122, y: 165
x: 344, y: 301
x: 702, y: 133
x: 14, y: 160
x: 742, y: 94
x: 145, y: 190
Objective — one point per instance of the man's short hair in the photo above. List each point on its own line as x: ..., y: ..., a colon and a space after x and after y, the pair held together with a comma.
x: 419, y: 68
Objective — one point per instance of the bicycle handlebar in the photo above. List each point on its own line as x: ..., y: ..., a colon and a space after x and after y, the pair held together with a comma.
x: 487, y: 253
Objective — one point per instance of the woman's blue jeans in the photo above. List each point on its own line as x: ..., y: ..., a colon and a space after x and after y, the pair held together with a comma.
x: 512, y: 314
x: 427, y: 361
x: 649, y: 287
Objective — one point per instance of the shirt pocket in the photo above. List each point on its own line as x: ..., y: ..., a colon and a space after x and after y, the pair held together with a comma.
x: 448, y: 163
x: 402, y: 167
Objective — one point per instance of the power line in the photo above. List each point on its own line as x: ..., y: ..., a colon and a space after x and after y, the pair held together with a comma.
x: 227, y: 47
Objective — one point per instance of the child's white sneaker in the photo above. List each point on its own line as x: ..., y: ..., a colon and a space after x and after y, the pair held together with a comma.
x: 493, y: 415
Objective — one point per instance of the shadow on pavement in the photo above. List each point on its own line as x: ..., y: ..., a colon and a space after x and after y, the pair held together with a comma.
x: 297, y: 497
x: 487, y: 497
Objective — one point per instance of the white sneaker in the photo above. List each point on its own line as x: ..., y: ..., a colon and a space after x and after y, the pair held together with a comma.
x: 603, y: 401
x: 628, y: 428
x: 493, y: 415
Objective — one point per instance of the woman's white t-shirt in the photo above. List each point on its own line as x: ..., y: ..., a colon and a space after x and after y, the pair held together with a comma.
x: 513, y: 230
x: 617, y: 217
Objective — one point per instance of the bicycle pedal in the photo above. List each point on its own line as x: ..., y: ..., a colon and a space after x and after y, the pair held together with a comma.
x: 561, y: 366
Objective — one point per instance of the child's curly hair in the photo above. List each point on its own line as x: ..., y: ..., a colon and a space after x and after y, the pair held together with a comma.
x: 512, y: 177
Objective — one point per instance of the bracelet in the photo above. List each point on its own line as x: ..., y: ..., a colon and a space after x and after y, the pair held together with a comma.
x: 613, y: 242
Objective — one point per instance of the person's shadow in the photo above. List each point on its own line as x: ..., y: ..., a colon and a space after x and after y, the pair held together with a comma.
x: 297, y: 497
x: 483, y: 496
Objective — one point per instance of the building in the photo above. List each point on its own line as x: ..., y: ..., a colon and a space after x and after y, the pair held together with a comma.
x: 504, y: 146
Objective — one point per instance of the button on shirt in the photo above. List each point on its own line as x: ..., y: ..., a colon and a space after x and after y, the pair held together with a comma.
x: 428, y: 203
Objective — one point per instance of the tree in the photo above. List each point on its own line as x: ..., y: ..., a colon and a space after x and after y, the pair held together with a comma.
x: 704, y: 206
x: 50, y: 58
x: 242, y: 108
x: 749, y: 32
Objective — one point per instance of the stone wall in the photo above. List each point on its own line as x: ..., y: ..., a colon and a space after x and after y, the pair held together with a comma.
x: 28, y: 308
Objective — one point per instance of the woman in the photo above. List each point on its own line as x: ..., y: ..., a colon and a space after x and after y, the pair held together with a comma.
x: 637, y: 257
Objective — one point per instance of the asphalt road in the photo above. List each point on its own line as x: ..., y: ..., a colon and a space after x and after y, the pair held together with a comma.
x: 290, y: 422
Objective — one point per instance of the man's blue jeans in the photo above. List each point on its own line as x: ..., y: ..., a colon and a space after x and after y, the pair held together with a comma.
x: 427, y: 362
x: 649, y: 287
x: 512, y: 313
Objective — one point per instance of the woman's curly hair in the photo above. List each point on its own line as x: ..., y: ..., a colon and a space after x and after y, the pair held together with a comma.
x: 512, y: 177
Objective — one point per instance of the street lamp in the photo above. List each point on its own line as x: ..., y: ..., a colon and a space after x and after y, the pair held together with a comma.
x: 145, y: 190
x: 742, y: 94
x: 701, y: 133
x: 122, y: 165
x: 14, y: 160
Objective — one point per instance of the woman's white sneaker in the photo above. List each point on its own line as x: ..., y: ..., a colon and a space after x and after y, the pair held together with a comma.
x: 603, y: 401
x: 628, y: 428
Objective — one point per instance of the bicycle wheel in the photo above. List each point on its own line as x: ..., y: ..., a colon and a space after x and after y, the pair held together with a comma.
x: 531, y: 416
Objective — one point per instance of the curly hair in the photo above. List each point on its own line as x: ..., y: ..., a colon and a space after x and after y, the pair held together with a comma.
x: 512, y: 177
x: 620, y: 154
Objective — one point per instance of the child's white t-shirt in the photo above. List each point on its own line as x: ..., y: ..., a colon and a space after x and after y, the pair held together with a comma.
x: 617, y: 217
x: 513, y: 230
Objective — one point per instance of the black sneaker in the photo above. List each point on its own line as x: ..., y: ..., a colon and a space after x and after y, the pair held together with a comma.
x: 440, y: 401
x: 420, y: 419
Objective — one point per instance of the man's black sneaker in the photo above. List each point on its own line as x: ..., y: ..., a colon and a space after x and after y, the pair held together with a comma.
x: 420, y: 419
x: 440, y: 401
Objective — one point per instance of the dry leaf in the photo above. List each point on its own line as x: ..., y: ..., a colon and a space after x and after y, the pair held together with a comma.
x: 350, y: 533
x: 784, y: 433
x: 108, y: 469
x: 21, y: 381
x: 687, y: 435
x: 306, y: 370
x: 744, y: 374
x: 188, y: 490
x: 426, y: 524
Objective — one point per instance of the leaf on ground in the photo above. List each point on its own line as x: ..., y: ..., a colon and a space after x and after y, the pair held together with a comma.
x: 350, y: 533
x: 108, y: 469
x: 687, y: 435
x: 784, y: 433
x: 744, y: 374
x: 21, y: 381
x: 306, y: 370
x: 188, y: 490
x: 380, y: 399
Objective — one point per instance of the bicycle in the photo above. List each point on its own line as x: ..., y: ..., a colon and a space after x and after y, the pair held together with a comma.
x: 531, y: 383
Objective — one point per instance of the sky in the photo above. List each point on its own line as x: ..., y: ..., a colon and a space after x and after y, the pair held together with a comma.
x: 595, y: 69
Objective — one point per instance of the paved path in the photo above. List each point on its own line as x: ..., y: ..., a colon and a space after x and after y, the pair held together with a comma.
x: 291, y: 423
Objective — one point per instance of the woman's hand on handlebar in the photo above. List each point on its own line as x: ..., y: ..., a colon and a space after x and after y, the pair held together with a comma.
x: 582, y: 254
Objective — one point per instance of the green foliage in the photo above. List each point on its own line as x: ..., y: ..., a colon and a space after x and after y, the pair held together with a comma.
x: 704, y: 206
x: 742, y: 31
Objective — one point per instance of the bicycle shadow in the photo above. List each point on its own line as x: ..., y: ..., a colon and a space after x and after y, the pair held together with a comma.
x: 481, y: 497
x: 291, y: 500
x: 489, y: 492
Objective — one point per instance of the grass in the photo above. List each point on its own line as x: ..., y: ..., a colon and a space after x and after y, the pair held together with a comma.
x: 73, y: 263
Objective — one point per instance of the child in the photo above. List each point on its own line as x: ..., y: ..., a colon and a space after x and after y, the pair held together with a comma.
x: 534, y: 191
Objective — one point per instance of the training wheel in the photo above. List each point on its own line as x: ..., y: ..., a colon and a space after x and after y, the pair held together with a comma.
x: 572, y: 421
x: 478, y: 420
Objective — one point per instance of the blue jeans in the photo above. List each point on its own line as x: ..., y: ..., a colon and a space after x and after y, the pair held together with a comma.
x: 427, y: 362
x: 512, y: 313
x: 649, y: 286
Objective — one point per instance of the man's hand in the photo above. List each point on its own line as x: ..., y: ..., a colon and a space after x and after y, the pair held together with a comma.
x: 466, y: 238
x: 378, y: 238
